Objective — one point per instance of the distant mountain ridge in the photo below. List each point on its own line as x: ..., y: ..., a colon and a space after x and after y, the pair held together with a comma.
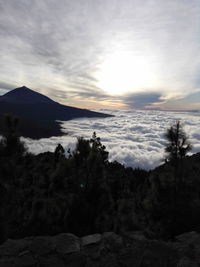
x: 24, y: 95
x: 39, y: 112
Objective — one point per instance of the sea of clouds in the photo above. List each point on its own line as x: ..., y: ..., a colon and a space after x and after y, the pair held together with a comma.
x: 134, y: 138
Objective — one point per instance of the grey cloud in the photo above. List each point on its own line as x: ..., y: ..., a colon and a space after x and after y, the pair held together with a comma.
x: 56, y: 94
x: 142, y: 100
x: 50, y: 35
x: 5, y: 86
x: 80, y: 91
x: 91, y: 94
x: 193, y: 98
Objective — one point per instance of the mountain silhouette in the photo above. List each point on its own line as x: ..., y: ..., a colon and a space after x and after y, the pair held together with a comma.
x: 24, y: 95
x: 40, y: 113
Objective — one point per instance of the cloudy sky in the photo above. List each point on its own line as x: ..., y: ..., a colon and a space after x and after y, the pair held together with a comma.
x: 103, y: 53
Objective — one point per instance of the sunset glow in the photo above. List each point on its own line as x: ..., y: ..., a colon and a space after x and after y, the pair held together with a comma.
x: 123, y: 54
x: 124, y: 72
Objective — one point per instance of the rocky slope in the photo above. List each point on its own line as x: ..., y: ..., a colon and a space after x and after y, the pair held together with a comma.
x: 107, y: 250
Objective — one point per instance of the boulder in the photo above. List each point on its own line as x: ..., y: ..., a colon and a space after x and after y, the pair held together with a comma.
x: 106, y: 250
x: 136, y: 239
x: 188, y: 238
x: 66, y: 243
x: 111, y: 242
x: 14, y: 247
x: 41, y: 245
x: 25, y: 259
x: 90, y: 239
x: 188, y: 244
x: 137, y: 235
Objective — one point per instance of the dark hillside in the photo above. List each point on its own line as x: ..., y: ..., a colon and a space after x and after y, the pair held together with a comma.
x: 172, y: 199
x: 34, y: 128
x: 39, y: 112
x: 84, y: 193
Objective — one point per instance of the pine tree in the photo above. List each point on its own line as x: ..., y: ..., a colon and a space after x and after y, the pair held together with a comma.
x: 178, y: 145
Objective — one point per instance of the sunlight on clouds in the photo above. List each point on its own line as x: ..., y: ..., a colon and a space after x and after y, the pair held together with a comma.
x: 123, y: 71
x: 79, y: 51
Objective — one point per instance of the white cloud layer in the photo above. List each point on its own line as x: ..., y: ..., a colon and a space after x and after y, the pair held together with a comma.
x: 134, y: 138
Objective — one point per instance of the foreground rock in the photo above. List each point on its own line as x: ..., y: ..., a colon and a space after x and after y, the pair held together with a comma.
x: 109, y: 249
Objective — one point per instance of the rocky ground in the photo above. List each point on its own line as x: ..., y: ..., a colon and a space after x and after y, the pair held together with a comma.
x: 107, y: 250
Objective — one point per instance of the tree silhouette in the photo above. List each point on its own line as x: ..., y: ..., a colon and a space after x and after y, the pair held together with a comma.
x: 59, y: 153
x: 178, y: 145
x: 98, y: 147
x: 11, y: 141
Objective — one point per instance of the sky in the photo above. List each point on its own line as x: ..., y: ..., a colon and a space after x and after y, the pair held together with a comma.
x: 130, y: 54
